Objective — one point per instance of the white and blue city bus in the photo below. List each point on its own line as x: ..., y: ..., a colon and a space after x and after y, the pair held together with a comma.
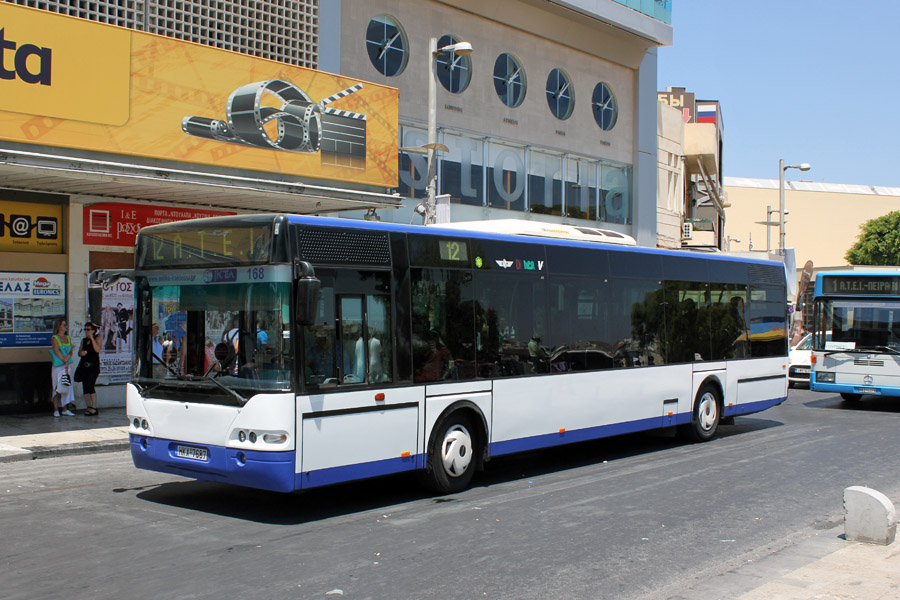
x: 287, y: 352
x: 856, y: 333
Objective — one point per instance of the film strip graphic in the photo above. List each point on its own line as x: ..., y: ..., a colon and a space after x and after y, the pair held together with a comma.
x: 302, y: 125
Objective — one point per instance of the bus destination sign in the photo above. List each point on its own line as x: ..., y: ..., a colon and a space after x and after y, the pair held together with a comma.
x: 868, y: 285
x: 204, y: 246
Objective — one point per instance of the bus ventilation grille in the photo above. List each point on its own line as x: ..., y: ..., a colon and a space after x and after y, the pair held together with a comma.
x: 341, y: 247
x: 764, y: 274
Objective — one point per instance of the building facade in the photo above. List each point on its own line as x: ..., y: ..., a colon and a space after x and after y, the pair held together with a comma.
x: 553, y: 117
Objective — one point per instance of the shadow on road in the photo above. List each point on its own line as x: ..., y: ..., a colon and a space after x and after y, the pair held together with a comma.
x: 376, y: 494
x: 888, y: 404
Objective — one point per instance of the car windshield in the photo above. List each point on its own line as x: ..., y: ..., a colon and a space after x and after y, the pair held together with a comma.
x: 205, y: 328
x: 862, y: 325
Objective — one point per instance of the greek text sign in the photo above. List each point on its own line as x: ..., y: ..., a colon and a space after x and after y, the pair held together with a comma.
x: 29, y: 304
x: 118, y: 223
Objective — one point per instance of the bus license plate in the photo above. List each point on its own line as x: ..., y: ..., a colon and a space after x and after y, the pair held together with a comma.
x: 802, y: 370
x: 191, y: 452
x: 868, y: 391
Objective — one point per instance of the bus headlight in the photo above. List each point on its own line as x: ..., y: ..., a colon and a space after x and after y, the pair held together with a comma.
x: 242, y: 436
x: 824, y: 377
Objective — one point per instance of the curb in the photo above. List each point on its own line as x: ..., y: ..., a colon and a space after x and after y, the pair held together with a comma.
x: 10, y: 454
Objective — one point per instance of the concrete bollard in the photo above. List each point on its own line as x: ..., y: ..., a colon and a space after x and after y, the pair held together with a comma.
x: 869, y: 516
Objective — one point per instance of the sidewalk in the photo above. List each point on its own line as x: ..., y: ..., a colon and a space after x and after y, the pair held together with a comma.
x: 27, y: 437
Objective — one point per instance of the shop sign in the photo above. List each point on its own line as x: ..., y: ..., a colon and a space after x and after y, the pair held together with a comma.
x: 73, y: 83
x: 27, y: 227
x: 29, y: 305
x: 117, y: 224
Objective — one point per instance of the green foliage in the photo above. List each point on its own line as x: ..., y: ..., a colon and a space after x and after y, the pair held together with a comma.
x: 878, y: 242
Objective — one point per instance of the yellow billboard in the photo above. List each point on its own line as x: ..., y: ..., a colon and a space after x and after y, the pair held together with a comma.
x: 73, y: 83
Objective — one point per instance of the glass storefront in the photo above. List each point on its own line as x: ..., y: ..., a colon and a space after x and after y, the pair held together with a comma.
x: 502, y: 175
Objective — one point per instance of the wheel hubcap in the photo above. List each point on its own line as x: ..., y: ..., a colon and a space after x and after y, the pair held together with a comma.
x: 456, y: 451
x: 707, y: 411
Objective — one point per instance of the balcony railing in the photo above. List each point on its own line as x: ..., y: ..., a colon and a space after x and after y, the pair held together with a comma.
x: 661, y: 10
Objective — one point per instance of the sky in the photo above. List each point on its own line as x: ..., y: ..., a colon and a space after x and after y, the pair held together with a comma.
x: 803, y: 80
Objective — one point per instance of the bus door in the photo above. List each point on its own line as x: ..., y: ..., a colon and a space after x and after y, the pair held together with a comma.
x: 354, y: 421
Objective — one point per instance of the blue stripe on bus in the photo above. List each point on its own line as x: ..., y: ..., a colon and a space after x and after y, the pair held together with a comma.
x: 843, y: 388
x: 344, y: 473
x: 751, y: 407
x: 601, y: 431
x: 580, y: 435
x: 264, y: 470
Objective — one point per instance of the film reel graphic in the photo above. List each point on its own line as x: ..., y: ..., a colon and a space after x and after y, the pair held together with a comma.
x: 299, y: 119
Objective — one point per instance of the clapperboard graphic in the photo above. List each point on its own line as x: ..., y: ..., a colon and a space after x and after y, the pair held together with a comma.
x: 302, y: 124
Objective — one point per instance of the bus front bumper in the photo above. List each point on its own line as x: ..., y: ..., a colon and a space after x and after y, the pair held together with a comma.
x: 263, y: 470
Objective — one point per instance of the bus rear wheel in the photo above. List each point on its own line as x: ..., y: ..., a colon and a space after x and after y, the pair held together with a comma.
x: 454, y: 454
x: 705, y: 416
x: 851, y: 397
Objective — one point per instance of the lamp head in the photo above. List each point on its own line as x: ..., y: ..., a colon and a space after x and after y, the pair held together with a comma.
x: 804, y: 166
x: 460, y: 48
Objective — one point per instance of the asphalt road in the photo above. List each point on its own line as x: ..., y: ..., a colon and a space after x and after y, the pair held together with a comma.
x: 632, y: 517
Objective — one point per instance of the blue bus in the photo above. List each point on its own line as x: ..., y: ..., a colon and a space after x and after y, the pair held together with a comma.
x: 856, y: 333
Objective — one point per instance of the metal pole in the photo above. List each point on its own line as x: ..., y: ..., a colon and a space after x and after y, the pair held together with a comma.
x: 431, y: 192
x: 781, y: 207
x: 768, y: 229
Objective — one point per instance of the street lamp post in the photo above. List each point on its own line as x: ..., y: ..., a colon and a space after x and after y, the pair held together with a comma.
x: 781, y: 212
x: 460, y: 49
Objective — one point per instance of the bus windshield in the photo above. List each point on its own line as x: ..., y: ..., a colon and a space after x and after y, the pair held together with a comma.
x: 240, y: 314
x: 858, y: 325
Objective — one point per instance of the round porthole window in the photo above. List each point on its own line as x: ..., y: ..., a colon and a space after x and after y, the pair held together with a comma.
x: 604, y: 107
x: 509, y: 80
x: 560, y: 95
x: 454, y: 71
x: 386, y: 45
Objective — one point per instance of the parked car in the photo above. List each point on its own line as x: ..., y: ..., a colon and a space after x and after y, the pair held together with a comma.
x: 799, y: 361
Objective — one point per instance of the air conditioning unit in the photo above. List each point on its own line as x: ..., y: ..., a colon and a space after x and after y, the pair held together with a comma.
x: 687, y: 231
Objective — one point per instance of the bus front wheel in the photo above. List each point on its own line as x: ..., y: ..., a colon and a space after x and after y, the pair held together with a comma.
x: 705, y: 416
x: 453, y: 454
x: 851, y: 397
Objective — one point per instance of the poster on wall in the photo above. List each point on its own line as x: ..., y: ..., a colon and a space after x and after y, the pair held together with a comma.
x: 29, y: 304
x: 116, y: 331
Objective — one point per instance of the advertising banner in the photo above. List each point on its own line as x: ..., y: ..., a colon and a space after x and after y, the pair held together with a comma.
x: 27, y: 227
x: 29, y: 304
x: 117, y: 223
x: 74, y: 83
x: 116, y: 331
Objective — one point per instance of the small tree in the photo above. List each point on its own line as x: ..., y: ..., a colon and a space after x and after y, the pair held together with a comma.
x: 878, y: 242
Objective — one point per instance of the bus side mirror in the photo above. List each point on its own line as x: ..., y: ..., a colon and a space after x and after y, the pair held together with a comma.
x: 308, y: 289
x: 146, y: 308
x: 95, y: 304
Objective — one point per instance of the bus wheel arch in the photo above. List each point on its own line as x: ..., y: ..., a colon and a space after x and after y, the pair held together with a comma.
x: 457, y: 447
x: 706, y: 412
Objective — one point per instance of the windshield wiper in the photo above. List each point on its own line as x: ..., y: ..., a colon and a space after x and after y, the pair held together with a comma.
x: 885, y: 349
x: 205, y: 377
x: 865, y: 350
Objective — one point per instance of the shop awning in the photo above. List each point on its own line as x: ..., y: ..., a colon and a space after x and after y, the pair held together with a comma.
x: 37, y: 172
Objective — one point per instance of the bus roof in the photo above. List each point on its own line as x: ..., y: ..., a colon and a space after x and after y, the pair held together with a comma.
x: 584, y: 240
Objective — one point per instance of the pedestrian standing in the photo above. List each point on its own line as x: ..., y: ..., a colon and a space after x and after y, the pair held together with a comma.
x: 61, y: 357
x: 90, y: 367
